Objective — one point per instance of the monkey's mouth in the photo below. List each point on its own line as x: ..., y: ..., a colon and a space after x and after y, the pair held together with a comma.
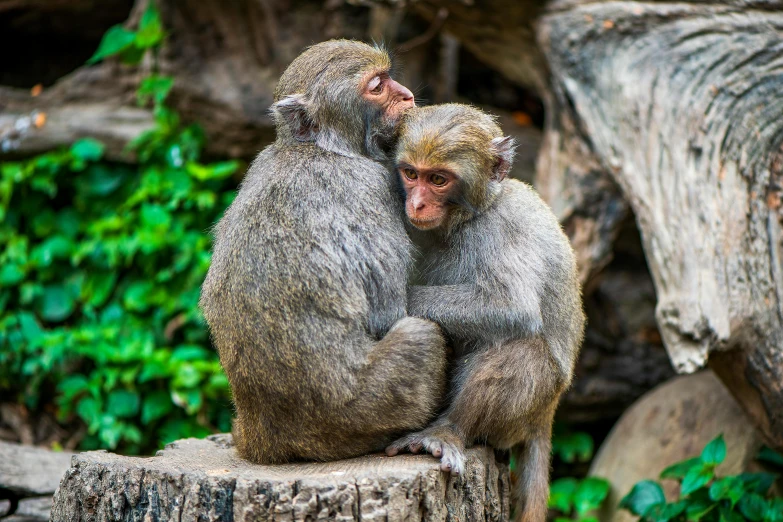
x: 424, y: 224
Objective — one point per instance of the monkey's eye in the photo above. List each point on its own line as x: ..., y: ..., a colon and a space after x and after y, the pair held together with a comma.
x: 375, y: 86
x: 438, y: 180
x: 410, y: 174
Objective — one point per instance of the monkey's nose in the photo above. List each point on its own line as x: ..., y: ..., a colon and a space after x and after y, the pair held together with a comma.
x: 403, y: 92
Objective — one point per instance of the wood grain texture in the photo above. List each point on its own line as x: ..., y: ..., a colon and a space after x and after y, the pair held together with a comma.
x: 29, y: 471
x: 205, y: 480
x: 680, y: 103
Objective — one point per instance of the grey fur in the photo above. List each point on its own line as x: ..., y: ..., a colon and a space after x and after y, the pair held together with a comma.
x: 306, y: 294
x: 500, y: 278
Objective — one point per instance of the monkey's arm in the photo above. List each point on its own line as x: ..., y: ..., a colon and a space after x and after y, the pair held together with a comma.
x: 467, y: 311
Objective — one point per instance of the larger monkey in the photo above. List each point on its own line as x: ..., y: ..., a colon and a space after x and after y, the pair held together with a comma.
x: 306, y: 295
x: 501, y: 281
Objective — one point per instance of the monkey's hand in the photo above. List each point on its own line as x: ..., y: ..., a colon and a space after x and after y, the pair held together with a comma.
x: 442, y: 439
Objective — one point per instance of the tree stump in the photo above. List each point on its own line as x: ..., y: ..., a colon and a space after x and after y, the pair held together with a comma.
x: 205, y: 480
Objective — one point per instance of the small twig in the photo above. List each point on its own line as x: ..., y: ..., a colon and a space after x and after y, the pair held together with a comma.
x: 429, y: 34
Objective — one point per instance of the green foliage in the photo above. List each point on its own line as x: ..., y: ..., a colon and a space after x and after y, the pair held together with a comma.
x: 130, y: 46
x: 706, y: 497
x: 577, y: 497
x: 101, y: 269
x: 572, y: 446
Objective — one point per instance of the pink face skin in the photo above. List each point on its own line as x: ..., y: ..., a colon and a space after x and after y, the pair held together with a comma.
x: 427, y: 193
x: 395, y: 98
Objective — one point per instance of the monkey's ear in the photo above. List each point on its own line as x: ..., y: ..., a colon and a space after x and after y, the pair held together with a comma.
x: 294, y: 112
x: 503, y: 149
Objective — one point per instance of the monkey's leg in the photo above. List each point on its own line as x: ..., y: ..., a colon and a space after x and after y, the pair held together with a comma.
x: 399, y: 388
x: 508, y: 396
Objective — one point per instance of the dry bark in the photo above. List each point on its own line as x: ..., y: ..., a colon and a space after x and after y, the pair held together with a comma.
x: 680, y: 104
x: 205, y: 480
x: 226, y: 58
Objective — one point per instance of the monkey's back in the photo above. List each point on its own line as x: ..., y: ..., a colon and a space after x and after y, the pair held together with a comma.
x: 309, y: 263
x: 517, y: 252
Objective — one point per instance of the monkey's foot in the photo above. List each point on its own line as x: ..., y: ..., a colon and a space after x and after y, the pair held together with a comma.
x: 442, y: 440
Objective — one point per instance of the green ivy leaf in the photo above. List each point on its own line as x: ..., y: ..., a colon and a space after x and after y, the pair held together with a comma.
x: 56, y: 303
x: 89, y: 409
x: 753, y: 506
x: 696, y: 478
x: 730, y: 488
x: 757, y: 482
x: 99, y: 287
x: 680, y: 469
x: 116, y: 40
x: 132, y: 55
x: 561, y: 493
x: 698, y: 508
x: 155, y: 88
x: 774, y: 511
x: 767, y: 454
x: 156, y: 405
x: 665, y: 512
x: 155, y: 216
x: 56, y: 247
x: 642, y: 497
x: 729, y: 515
x: 150, y: 31
x: 714, y: 452
x: 72, y: 386
x: 590, y: 494
x: 11, y: 275
x: 87, y: 149
x: 123, y: 403
x: 136, y: 296
x: 212, y: 171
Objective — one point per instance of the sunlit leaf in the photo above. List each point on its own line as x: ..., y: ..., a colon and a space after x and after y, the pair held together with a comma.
x: 643, y: 496
x: 116, y: 40
x: 680, y: 469
x: 696, y: 478
x: 714, y: 452
x: 590, y: 494
x: 123, y: 403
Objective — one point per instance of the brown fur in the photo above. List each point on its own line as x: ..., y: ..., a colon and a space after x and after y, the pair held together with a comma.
x: 306, y: 294
x: 500, y: 278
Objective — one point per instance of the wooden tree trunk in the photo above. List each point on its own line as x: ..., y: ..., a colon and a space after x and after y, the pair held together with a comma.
x: 205, y: 480
x: 681, y: 105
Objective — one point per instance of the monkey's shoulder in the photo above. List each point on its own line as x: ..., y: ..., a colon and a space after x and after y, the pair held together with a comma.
x: 521, y: 210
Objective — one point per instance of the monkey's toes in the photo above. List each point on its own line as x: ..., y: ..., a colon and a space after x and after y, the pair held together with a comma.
x: 453, y: 460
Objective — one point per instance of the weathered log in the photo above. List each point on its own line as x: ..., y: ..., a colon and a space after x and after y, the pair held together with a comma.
x: 226, y: 58
x: 29, y: 477
x: 29, y: 471
x: 680, y: 104
x: 205, y: 480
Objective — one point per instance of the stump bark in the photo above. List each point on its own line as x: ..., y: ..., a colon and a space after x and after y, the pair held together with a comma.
x: 205, y: 480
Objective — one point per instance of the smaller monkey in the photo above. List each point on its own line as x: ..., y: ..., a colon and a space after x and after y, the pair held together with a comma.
x: 501, y: 280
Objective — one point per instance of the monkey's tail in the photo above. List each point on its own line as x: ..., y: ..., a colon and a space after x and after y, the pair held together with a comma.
x: 532, y: 491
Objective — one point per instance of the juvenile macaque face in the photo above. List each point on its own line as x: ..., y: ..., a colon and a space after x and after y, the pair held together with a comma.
x: 428, y: 192
x: 393, y: 98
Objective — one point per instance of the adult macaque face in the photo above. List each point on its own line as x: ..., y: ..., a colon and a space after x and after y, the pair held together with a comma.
x: 393, y: 98
x: 428, y: 192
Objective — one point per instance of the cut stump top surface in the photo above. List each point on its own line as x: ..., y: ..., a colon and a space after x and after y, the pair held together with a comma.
x: 205, y: 480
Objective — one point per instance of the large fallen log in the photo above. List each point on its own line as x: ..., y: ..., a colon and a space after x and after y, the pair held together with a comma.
x: 680, y: 103
x: 205, y: 480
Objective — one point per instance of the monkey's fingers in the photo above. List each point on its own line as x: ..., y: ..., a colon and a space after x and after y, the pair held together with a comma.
x: 410, y: 443
x: 453, y: 460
